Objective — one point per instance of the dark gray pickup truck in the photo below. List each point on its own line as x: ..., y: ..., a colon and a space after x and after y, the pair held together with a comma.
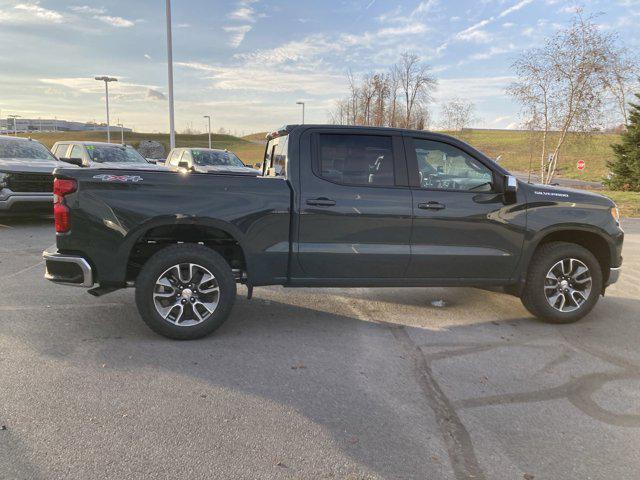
x: 333, y: 207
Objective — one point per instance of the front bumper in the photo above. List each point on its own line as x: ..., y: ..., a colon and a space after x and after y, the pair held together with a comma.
x: 26, y: 200
x: 614, y: 275
x: 67, y: 269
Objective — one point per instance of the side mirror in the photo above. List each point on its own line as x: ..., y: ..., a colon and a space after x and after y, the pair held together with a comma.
x: 183, y: 165
x: 510, y: 184
x: 73, y: 161
x: 152, y: 161
x: 258, y: 165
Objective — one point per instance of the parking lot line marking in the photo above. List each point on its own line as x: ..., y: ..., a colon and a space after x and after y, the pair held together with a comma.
x: 16, y: 308
x: 15, y: 274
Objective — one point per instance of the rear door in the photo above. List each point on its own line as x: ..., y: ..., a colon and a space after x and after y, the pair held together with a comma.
x: 462, y: 227
x: 355, y: 205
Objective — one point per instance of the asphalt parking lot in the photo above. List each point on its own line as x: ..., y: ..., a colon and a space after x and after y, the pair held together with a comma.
x: 302, y: 383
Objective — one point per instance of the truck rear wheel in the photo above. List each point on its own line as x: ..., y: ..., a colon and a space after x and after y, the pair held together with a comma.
x: 563, y: 283
x: 185, y: 291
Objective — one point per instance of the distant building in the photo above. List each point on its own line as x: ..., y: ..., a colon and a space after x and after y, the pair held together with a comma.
x: 26, y: 125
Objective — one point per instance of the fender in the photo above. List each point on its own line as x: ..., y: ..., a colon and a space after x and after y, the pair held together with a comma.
x: 532, y: 244
x: 133, y: 236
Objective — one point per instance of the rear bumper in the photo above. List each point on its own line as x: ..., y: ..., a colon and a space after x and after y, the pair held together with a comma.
x: 614, y: 275
x: 67, y: 269
x: 26, y: 200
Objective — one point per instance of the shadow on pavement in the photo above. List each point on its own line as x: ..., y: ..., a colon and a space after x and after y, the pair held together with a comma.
x: 333, y: 370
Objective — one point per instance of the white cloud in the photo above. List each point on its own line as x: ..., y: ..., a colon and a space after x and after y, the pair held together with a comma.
x: 88, y: 9
x: 30, y: 13
x: 117, y: 22
x: 478, y: 88
x: 514, y: 8
x: 250, y: 77
x: 492, y: 52
x: 155, y: 95
x: 245, y: 14
x: 295, y: 51
x: 147, y: 56
x: 120, y: 90
x: 237, y: 34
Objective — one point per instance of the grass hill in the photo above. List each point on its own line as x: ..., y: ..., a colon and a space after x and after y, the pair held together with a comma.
x: 519, y: 148
x: 256, y: 137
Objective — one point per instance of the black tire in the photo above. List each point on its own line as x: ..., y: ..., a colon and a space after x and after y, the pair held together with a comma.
x: 184, y: 254
x: 545, y: 257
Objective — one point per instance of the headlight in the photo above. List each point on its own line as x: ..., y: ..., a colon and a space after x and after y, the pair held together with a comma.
x: 615, y: 213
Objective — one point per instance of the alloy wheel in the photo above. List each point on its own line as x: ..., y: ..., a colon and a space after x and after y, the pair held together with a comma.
x: 568, y: 285
x: 186, y: 294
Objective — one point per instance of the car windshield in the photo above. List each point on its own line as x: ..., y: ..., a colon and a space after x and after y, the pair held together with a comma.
x: 216, y: 158
x: 31, y: 150
x: 114, y: 154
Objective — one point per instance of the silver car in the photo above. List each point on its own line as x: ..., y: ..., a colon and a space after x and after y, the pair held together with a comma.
x: 99, y: 154
x: 206, y: 160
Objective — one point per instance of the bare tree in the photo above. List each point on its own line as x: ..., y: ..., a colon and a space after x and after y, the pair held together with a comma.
x: 400, y: 97
x: 562, y: 85
x: 417, y: 85
x: 457, y: 114
x: 394, y: 87
x: 621, y: 80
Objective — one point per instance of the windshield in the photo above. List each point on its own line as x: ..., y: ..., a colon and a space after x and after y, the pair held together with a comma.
x: 114, y: 154
x: 24, y: 149
x: 216, y: 158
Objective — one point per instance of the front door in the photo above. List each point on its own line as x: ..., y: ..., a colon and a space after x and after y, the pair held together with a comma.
x: 355, y: 207
x: 462, y: 227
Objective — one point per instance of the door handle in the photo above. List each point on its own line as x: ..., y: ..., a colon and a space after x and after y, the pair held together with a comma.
x: 431, y: 206
x: 321, y: 202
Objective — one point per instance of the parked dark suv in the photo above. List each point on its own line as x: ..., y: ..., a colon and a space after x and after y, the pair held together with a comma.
x: 26, y: 179
x: 333, y: 207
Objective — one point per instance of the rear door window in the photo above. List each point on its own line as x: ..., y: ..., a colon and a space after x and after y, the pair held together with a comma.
x: 61, y: 150
x: 364, y: 160
x: 76, y: 152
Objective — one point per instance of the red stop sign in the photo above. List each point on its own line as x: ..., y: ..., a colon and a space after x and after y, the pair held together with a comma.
x: 580, y: 165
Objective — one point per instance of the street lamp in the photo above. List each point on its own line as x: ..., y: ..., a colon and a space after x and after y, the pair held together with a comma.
x: 301, y: 103
x: 121, y: 132
x: 208, y: 117
x: 106, y: 81
x: 172, y: 132
x: 15, y: 126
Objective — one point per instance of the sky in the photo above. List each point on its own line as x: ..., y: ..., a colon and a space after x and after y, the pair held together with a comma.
x: 247, y: 62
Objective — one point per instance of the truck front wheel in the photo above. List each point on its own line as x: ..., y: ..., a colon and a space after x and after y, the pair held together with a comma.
x: 563, y: 283
x: 185, y: 291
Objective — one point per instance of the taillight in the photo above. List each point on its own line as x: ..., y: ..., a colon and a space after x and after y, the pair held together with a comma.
x: 62, y: 187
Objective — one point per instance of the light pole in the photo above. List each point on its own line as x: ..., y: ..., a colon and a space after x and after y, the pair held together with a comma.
x: 106, y: 81
x: 121, y: 132
x: 301, y: 103
x: 172, y: 132
x: 208, y: 117
x: 15, y: 125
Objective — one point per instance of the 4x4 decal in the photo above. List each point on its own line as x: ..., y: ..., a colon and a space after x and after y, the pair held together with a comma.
x: 118, y: 178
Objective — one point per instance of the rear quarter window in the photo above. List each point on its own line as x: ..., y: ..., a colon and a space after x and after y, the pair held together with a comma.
x: 275, y: 161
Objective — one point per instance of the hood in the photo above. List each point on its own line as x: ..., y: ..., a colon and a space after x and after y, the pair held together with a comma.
x: 226, y: 169
x: 25, y: 165
x: 540, y: 192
